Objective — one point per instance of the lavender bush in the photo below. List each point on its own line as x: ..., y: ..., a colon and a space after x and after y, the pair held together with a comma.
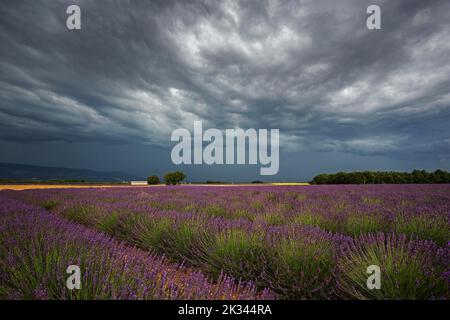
x: 37, y: 247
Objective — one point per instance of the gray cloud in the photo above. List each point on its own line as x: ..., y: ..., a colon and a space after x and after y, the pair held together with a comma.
x: 137, y: 70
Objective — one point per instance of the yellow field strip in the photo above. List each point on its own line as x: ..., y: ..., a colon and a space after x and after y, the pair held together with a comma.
x: 70, y: 186
x: 290, y: 184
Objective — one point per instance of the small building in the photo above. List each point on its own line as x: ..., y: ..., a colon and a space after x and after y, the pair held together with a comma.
x: 139, y: 183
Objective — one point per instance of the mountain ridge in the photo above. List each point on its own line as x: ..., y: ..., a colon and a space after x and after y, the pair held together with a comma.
x: 27, y: 171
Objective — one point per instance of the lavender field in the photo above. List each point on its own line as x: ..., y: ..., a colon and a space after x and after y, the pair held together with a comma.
x: 194, y: 242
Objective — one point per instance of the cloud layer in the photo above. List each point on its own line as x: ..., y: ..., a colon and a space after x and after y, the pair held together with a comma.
x: 139, y: 69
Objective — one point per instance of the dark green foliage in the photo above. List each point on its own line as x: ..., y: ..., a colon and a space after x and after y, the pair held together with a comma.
x: 174, y: 177
x: 153, y: 180
x: 50, y: 204
x: 379, y: 177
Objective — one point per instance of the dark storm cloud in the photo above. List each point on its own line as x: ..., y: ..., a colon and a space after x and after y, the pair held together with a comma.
x: 139, y: 69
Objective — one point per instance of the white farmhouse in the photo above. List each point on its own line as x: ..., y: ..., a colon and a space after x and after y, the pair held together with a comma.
x: 139, y: 183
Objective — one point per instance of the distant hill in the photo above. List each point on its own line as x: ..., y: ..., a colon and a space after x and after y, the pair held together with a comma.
x: 23, y: 171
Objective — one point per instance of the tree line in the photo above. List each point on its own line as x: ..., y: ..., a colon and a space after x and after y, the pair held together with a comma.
x: 379, y: 177
x: 171, y: 178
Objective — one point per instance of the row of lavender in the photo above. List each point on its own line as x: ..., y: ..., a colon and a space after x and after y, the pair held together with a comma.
x: 314, y: 242
x: 420, y: 211
x: 38, y: 246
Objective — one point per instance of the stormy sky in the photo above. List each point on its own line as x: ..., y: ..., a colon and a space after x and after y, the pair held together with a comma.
x: 108, y: 96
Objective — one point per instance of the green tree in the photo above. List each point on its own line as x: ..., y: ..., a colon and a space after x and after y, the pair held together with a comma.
x: 174, y: 177
x: 321, y: 179
x: 153, y: 180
